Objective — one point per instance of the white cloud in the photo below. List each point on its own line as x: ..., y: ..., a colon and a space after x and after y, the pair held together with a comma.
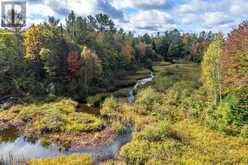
x: 141, y: 4
x: 39, y: 10
x: 151, y: 20
x: 150, y: 15
x: 239, y: 7
x: 190, y: 19
x: 216, y: 18
x: 81, y: 7
x: 203, y: 6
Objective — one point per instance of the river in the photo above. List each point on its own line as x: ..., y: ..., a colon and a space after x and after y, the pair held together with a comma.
x: 22, y: 148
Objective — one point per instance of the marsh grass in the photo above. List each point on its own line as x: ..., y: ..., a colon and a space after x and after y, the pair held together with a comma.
x: 74, y: 159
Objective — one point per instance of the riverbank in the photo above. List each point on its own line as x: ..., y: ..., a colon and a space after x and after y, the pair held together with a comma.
x: 64, y: 123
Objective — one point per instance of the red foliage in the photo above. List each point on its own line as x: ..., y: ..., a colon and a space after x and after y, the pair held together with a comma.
x: 128, y: 51
x: 237, y: 41
x: 74, y: 62
x: 142, y: 48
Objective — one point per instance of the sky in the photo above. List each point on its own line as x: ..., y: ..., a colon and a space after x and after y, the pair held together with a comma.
x: 150, y: 16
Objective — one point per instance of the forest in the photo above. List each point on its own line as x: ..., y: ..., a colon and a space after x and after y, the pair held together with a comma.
x: 64, y: 88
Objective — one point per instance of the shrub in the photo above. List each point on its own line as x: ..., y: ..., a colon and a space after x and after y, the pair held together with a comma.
x: 110, y: 107
x: 147, y: 99
x: 157, y: 132
x: 162, y: 83
x: 136, y: 152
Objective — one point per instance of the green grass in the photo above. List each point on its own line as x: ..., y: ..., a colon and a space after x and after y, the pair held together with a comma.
x: 189, y: 71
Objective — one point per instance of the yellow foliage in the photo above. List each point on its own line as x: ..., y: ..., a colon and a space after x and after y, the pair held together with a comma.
x: 75, y: 159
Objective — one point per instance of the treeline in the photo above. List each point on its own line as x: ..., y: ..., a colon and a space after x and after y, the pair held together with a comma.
x: 225, y: 80
x: 83, y: 57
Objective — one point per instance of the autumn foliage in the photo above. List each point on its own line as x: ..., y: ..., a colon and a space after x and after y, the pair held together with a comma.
x: 73, y: 60
x: 235, y: 58
x: 142, y: 48
x: 33, y: 42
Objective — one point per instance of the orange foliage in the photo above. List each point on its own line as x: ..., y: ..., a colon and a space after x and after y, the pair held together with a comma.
x: 73, y: 60
x: 128, y: 51
x: 142, y: 48
x: 235, y: 51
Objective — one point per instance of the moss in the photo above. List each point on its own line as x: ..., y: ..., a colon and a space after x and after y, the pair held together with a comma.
x: 75, y: 159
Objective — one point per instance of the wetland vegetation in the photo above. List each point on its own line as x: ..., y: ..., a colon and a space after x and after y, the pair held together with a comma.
x: 65, y: 96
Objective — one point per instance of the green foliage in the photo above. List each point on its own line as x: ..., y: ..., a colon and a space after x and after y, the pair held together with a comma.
x: 211, y: 75
x: 110, y: 107
x: 140, y: 152
x: 162, y: 83
x: 157, y: 132
x: 11, y: 64
x: 137, y: 152
x: 147, y: 99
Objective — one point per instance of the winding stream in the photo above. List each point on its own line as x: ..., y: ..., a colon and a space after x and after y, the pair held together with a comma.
x: 21, y: 148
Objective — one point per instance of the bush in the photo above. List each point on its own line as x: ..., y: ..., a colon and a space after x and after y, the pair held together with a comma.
x: 147, y: 98
x: 110, y: 107
x: 141, y: 152
x: 162, y: 83
x: 136, y: 152
x: 157, y: 132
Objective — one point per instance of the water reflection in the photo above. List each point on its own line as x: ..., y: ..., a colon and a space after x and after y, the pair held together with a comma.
x: 22, y: 148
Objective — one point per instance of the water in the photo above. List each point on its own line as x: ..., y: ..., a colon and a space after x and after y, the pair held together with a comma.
x: 21, y: 148
x: 139, y: 83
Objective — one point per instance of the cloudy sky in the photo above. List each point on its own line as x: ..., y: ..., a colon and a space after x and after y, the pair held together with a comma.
x: 150, y: 15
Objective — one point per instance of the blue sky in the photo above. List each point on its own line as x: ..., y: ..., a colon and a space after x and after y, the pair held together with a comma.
x: 150, y: 15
